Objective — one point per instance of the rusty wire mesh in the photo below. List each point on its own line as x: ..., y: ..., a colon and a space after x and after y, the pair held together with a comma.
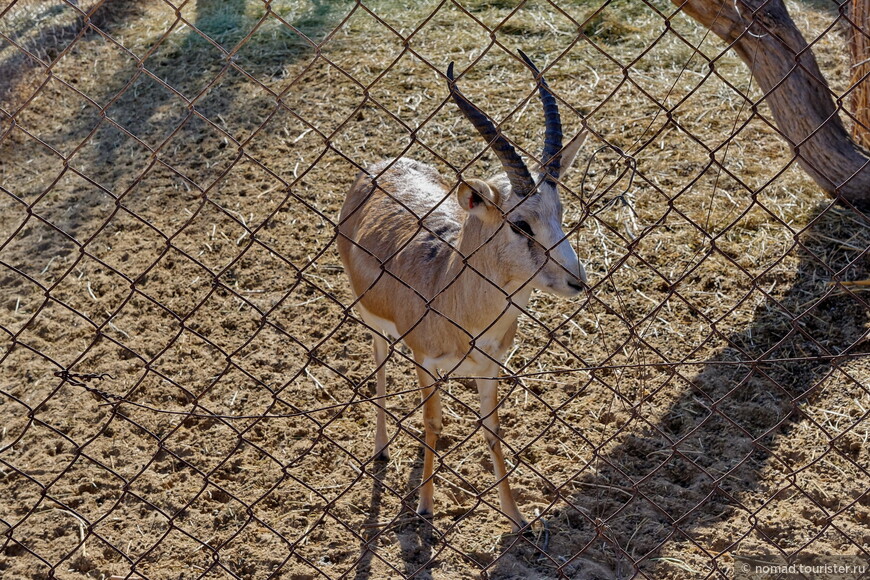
x: 859, y: 13
x: 186, y: 392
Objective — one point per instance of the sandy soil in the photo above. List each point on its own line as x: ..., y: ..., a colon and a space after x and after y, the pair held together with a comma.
x: 167, y: 229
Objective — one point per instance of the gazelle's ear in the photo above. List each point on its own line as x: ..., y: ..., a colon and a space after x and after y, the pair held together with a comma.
x: 569, y: 153
x: 476, y: 197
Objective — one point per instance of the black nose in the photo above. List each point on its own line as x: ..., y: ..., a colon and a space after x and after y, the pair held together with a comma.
x: 575, y: 286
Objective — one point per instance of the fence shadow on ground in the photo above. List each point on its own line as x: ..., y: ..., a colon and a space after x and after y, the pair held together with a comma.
x: 700, y: 465
x: 732, y: 422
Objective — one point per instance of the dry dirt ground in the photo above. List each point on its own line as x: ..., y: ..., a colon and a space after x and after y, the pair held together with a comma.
x: 170, y: 177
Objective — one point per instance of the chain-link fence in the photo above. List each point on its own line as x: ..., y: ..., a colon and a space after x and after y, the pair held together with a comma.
x: 187, y: 388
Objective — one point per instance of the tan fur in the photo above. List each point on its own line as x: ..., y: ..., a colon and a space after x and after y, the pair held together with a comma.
x: 379, y: 225
x: 450, y: 282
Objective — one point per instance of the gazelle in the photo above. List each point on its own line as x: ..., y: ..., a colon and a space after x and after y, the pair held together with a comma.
x: 449, y: 276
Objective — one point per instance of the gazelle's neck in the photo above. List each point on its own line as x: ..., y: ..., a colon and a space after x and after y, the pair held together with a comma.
x: 476, y: 291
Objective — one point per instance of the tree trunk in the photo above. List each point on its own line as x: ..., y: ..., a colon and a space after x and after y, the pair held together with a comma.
x: 767, y: 40
x: 859, y: 47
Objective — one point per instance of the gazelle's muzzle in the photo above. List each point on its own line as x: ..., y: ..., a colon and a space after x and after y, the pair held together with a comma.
x: 568, y: 276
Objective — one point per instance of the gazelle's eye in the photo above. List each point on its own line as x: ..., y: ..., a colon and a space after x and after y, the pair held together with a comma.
x: 522, y: 226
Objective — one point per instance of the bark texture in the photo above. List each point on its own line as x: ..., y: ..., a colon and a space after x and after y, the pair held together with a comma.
x: 859, y: 49
x: 767, y: 40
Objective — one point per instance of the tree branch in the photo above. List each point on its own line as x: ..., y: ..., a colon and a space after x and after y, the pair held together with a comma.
x: 785, y: 68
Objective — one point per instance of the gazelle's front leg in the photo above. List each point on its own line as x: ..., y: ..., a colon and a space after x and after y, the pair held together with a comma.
x: 432, y: 428
x: 488, y: 391
x: 381, y: 350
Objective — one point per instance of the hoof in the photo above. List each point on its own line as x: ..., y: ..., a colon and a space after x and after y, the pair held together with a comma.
x: 425, y: 512
x: 382, y: 456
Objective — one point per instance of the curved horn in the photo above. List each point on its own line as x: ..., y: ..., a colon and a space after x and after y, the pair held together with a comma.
x: 518, y: 174
x: 551, y: 157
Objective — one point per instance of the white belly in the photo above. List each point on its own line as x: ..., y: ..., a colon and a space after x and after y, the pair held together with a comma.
x: 386, y: 327
x: 482, y: 361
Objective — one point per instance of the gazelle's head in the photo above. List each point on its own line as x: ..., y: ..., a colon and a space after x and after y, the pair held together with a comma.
x: 521, y: 214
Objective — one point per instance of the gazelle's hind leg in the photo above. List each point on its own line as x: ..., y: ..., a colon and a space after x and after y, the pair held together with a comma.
x: 432, y: 428
x: 381, y: 350
x: 488, y: 391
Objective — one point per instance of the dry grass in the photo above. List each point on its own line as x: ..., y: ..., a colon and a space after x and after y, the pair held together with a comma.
x: 690, y: 407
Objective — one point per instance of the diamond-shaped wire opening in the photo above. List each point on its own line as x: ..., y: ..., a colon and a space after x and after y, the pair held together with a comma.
x: 97, y: 51
x: 135, y: 26
x: 31, y: 73
x: 143, y: 327
x: 469, y: 32
x: 236, y: 394
x: 191, y: 557
x: 256, y: 357
x: 308, y: 300
x: 223, y: 25
x: 168, y: 73
x: 212, y: 237
x: 32, y: 374
x: 185, y: 369
x: 163, y: 199
x: 43, y: 452
x: 59, y: 117
x: 39, y: 252
x: 256, y: 548
x: 275, y: 52
x: 785, y: 532
x: 286, y: 146
x: 200, y: 443
x: 70, y: 423
x: 224, y: 320
x: 176, y: 282
x: 121, y: 448
x: 219, y: 104
x: 55, y: 331
x: 21, y: 184
x: 318, y: 89
x: 128, y: 256
x: 234, y: 478
x: 214, y: 503
x: 163, y: 111
x: 636, y: 28
x: 26, y: 562
x: 49, y: 533
x: 257, y: 278
x: 74, y: 206
x: 22, y: 297
x: 21, y: 493
x: 365, y: 69
x: 388, y: 111
x: 199, y: 151
x: 87, y: 490
x: 111, y: 158
x: 59, y: 27
x: 250, y: 193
